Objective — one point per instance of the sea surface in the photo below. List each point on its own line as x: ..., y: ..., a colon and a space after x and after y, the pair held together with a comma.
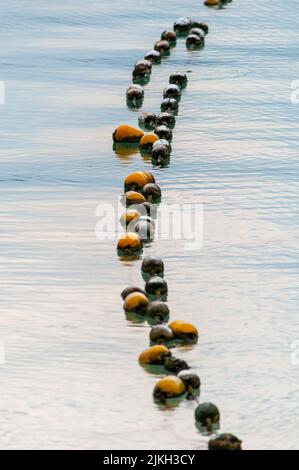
x: 69, y: 372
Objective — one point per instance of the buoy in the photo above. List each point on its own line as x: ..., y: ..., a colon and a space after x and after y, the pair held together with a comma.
x: 129, y: 244
x: 207, y: 415
x: 147, y: 141
x: 153, y: 265
x: 132, y: 197
x: 156, y: 286
x: 166, y: 119
x: 175, y: 365
x: 127, y: 134
x: 136, y: 302
x: 154, y: 355
x: 167, y: 388
x: 158, y: 311
x: 164, y: 132
x: 169, y: 105
x: 199, y: 24
x: 129, y: 216
x: 130, y: 290
x: 144, y: 229
x: 225, y: 442
x: 182, y: 26
x: 172, y: 91
x: 191, y: 380
x: 160, y: 154
x: 178, y: 78
x: 161, y: 334
x: 198, y: 32
x: 184, y: 331
x: 169, y: 36
x: 162, y: 46
x: 135, y: 96
x: 212, y: 3
x: 142, y: 71
x: 152, y: 192
x: 162, y: 142
x: 144, y: 64
x: 136, y: 181
x: 147, y: 208
x: 153, y: 56
x: 147, y: 121
x: 194, y: 41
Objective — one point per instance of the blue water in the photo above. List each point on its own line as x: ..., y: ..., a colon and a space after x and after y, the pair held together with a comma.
x: 70, y: 377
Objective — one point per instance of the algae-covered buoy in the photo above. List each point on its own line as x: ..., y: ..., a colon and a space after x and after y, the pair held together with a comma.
x: 194, y: 41
x: 182, y: 26
x: 135, y: 96
x: 153, y: 265
x: 147, y: 120
x: 207, y: 415
x: 129, y: 244
x: 175, y: 365
x: 153, y: 56
x: 172, y: 91
x: 136, y: 302
x: 144, y: 229
x: 191, y: 380
x: 158, y: 311
x: 127, y: 134
x: 161, y: 334
x: 152, y: 192
x: 169, y: 105
x: 184, y: 331
x: 167, y: 388
x: 162, y: 46
x: 156, y: 286
x: 166, y: 119
x: 130, y: 290
x: 178, y: 78
x: 225, y: 441
x: 169, y: 36
x: 163, y: 132
x: 154, y: 355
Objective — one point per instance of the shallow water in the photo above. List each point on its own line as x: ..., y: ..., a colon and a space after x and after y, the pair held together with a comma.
x: 71, y: 377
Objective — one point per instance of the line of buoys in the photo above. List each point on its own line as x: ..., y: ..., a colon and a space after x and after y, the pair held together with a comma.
x: 141, y: 193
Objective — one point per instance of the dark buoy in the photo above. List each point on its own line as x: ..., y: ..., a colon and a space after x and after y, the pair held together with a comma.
x: 198, y: 32
x: 225, y: 442
x: 199, y: 24
x: 160, y: 154
x: 162, y: 46
x: 147, y: 121
x: 136, y: 302
x: 153, y: 265
x: 194, y: 41
x: 158, y: 311
x: 172, y: 91
x: 169, y: 105
x: 182, y: 26
x: 147, y: 208
x: 191, y: 380
x: 155, y: 355
x: 175, y: 365
x: 144, y: 229
x: 129, y: 290
x: 160, y: 334
x: 153, y: 56
x: 166, y: 119
x: 164, y: 132
x: 167, y: 388
x: 169, y: 36
x: 178, y: 78
x: 156, y: 286
x: 152, y: 192
x: 207, y: 415
x: 135, y: 96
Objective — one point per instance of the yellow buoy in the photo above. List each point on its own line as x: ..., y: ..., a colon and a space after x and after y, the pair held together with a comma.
x: 132, y: 197
x: 169, y: 387
x: 147, y: 140
x: 130, y: 243
x: 129, y: 216
x: 183, y: 330
x: 127, y: 134
x: 154, y: 355
x: 136, y: 181
x: 136, y: 302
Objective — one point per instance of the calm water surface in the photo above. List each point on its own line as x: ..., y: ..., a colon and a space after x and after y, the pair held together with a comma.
x: 71, y: 377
